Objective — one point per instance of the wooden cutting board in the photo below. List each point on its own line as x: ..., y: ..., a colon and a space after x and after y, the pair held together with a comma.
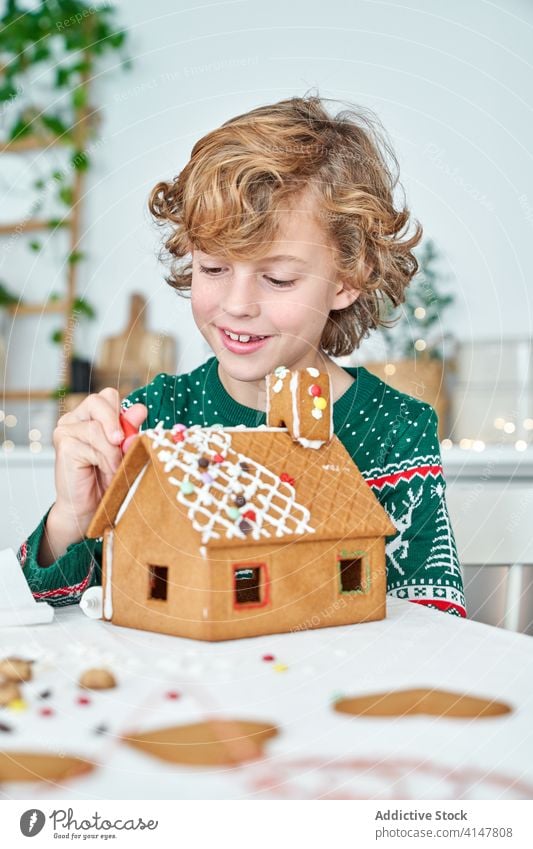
x: 134, y: 357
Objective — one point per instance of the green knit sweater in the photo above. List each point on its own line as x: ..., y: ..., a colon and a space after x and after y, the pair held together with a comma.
x: 391, y: 437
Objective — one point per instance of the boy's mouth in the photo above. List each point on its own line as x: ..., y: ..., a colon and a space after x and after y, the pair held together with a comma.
x: 243, y: 337
x: 240, y: 343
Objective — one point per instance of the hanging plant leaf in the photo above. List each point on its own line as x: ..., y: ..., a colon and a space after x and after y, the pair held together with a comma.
x: 62, y: 77
x: 75, y: 257
x: 55, y: 125
x: 83, y: 307
x: 35, y: 246
x: 65, y: 195
x: 80, y: 160
x: 79, y: 97
x: 19, y: 130
x: 7, y: 298
x: 57, y: 337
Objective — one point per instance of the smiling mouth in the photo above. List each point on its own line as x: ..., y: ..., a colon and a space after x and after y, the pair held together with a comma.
x: 242, y: 337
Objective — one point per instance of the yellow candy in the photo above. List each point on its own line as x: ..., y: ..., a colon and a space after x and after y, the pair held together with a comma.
x: 280, y: 667
x: 17, y: 704
x: 320, y: 403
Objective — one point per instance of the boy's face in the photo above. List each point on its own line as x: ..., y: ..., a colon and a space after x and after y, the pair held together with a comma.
x: 278, y: 308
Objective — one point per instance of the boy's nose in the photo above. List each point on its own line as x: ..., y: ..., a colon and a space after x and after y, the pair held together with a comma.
x: 239, y: 297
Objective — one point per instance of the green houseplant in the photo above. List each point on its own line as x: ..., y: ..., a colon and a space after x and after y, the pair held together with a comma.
x: 59, y: 44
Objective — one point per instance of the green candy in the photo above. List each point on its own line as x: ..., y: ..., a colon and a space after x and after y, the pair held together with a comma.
x: 233, y: 512
x: 187, y: 487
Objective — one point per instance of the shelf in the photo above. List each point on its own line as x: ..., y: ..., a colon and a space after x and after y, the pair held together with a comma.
x: 495, y: 462
x: 30, y: 143
x: 25, y: 395
x: 17, y: 310
x: 32, y: 225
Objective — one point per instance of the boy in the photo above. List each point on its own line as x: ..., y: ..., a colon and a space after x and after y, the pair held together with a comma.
x: 292, y: 245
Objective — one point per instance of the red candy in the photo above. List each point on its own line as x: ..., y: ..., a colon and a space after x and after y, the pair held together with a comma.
x: 286, y: 478
x: 250, y: 514
x: 268, y: 657
x: 46, y: 712
x: 315, y: 391
x: 83, y: 700
x: 218, y: 458
x: 173, y: 695
x: 178, y: 437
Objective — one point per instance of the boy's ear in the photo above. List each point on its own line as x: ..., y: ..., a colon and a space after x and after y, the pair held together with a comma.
x: 347, y: 294
x: 345, y: 297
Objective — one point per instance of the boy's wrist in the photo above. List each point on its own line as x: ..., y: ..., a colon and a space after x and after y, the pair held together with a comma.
x: 60, y: 531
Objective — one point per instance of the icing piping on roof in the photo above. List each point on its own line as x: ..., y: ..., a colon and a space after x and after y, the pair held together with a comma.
x: 277, y: 513
x: 129, y: 495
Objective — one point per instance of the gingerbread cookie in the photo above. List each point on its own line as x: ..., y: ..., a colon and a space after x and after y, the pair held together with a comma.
x: 15, y: 669
x: 97, y: 679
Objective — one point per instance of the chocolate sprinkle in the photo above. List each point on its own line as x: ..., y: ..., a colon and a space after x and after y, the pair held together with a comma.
x: 244, y: 466
x: 101, y: 729
x: 4, y: 727
x: 45, y: 694
x: 240, y: 500
x: 245, y: 526
x: 203, y: 462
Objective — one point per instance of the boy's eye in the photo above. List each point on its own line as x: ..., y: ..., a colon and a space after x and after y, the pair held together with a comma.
x: 280, y: 283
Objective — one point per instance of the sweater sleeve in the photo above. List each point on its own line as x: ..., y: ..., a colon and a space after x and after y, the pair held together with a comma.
x: 422, y: 560
x: 80, y: 567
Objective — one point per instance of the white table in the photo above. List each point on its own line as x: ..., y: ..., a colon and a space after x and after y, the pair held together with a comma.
x: 319, y: 753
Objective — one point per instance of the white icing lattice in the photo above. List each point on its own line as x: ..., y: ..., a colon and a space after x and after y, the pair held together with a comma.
x: 277, y: 513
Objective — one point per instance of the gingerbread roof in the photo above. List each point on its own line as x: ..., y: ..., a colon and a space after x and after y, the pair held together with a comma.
x: 240, y: 485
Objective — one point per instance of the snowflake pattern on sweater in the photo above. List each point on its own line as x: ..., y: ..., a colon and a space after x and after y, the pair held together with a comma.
x: 391, y: 437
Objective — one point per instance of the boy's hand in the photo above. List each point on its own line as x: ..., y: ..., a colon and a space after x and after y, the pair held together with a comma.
x: 87, y: 444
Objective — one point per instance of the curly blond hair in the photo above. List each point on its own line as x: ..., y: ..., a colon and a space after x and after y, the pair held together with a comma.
x: 226, y: 199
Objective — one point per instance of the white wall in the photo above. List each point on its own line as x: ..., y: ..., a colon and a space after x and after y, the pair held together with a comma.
x: 450, y: 81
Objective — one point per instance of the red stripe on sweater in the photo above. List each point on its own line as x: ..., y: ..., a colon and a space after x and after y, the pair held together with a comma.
x: 63, y: 591
x: 442, y: 605
x: 407, y: 474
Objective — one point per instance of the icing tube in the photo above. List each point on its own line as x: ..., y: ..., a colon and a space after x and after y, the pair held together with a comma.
x: 130, y: 431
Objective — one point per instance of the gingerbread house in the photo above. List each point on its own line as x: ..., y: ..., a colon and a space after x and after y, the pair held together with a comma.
x: 218, y: 533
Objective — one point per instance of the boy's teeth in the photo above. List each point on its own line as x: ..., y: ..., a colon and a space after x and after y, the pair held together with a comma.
x: 241, y: 338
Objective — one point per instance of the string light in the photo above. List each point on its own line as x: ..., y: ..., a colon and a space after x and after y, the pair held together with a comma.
x: 35, y: 434
x: 446, y: 444
x: 8, y: 445
x: 389, y: 369
x: 499, y: 423
x: 520, y: 445
x: 420, y: 345
x: 509, y: 427
x: 528, y: 424
x: 10, y: 421
x: 420, y: 312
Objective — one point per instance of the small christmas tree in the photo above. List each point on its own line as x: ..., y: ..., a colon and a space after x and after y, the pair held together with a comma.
x: 417, y: 326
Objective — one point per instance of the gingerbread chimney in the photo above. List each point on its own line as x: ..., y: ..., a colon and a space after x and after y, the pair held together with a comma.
x: 301, y: 402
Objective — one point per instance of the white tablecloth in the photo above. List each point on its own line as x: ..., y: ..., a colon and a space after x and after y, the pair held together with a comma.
x: 318, y: 753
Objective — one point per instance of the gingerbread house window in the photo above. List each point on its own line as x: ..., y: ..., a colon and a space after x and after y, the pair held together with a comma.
x: 250, y: 584
x: 158, y: 582
x: 351, y: 572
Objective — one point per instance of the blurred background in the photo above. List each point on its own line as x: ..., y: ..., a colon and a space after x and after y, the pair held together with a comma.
x: 99, y: 102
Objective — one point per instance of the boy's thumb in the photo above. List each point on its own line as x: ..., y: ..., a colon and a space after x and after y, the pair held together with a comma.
x: 135, y: 414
